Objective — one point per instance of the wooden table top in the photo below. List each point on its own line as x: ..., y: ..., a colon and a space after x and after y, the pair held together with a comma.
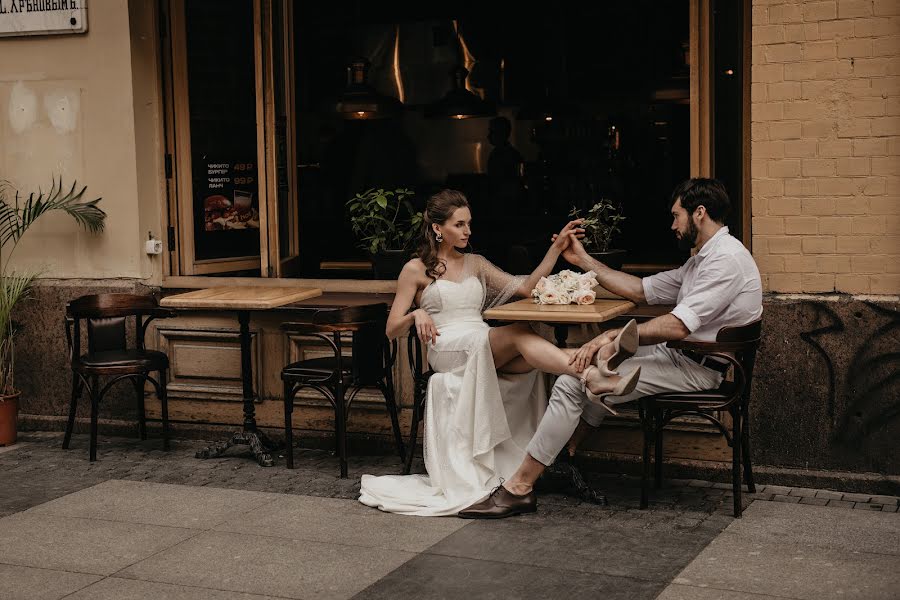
x: 240, y: 297
x: 526, y: 310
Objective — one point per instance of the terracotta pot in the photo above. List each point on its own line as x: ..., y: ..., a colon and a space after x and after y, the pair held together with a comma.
x: 9, y: 408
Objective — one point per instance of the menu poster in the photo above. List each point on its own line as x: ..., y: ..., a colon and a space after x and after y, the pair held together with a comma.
x: 230, y: 196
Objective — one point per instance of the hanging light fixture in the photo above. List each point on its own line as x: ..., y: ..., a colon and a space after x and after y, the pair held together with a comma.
x: 460, y: 103
x: 360, y: 100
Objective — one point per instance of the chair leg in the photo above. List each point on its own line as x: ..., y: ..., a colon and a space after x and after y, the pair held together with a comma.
x: 648, y: 427
x: 142, y: 416
x: 658, y: 450
x: 288, y: 423
x: 77, y: 388
x: 745, y: 448
x: 164, y: 406
x: 340, y: 426
x: 413, y: 434
x: 736, y: 461
x: 95, y: 409
x: 390, y: 400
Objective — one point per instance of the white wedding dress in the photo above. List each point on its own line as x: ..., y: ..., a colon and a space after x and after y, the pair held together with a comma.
x: 477, y: 422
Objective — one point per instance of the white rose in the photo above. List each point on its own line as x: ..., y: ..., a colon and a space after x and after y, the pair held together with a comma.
x: 549, y: 297
x: 568, y: 279
x: 541, y: 285
x: 585, y: 297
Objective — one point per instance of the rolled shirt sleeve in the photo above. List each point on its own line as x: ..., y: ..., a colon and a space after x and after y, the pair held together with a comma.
x: 717, y: 285
x: 663, y: 288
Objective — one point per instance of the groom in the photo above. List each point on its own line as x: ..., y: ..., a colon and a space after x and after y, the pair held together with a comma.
x: 718, y: 286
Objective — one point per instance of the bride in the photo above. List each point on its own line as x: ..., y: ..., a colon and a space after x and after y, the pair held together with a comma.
x: 488, y: 391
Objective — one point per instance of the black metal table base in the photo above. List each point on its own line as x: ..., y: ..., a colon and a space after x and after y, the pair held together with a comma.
x: 259, y: 444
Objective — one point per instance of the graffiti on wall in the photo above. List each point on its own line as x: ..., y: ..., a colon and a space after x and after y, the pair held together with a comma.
x: 862, y: 395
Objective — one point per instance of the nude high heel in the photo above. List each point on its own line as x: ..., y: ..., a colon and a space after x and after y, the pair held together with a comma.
x: 625, y: 386
x: 626, y: 344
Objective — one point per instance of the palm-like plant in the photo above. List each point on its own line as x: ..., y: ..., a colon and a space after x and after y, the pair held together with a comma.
x: 16, y: 216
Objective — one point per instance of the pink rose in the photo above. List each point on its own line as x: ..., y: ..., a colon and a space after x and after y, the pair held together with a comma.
x: 585, y: 297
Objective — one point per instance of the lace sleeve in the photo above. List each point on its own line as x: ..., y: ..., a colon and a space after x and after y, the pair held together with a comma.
x: 499, y: 286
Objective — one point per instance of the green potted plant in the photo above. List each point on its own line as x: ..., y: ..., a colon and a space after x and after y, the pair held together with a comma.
x: 17, y: 214
x: 600, y: 225
x: 386, y: 224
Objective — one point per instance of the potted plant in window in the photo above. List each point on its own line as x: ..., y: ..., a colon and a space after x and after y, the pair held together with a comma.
x: 386, y: 225
x: 600, y: 226
x: 17, y: 214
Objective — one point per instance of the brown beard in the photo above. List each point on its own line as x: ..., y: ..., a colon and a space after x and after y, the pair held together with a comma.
x: 689, y: 238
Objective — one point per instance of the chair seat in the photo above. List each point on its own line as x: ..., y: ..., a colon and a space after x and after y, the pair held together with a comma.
x: 137, y: 360
x: 690, y: 399
x: 316, y: 367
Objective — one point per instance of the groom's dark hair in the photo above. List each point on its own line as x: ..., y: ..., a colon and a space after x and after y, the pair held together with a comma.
x: 701, y: 191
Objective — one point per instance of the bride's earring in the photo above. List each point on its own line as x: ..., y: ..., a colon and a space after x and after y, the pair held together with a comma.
x: 438, y: 237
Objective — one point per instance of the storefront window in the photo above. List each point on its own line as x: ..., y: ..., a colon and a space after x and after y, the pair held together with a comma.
x: 575, y: 103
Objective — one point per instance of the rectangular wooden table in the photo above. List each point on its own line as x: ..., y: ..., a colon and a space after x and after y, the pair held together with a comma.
x: 243, y: 300
x: 561, y: 315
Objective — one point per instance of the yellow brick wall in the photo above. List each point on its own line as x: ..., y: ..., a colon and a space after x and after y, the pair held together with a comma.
x: 825, y: 145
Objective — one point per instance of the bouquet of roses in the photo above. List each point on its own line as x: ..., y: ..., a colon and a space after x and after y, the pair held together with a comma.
x: 566, y: 287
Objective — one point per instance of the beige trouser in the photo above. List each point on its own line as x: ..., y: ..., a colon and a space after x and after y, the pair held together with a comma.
x: 662, y: 370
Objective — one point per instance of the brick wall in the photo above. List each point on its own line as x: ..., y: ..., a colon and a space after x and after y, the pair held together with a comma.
x: 825, y: 149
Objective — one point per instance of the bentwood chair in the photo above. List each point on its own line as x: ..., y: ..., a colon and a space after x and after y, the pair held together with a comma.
x: 420, y: 375
x: 735, y: 347
x: 338, y: 377
x: 109, y: 356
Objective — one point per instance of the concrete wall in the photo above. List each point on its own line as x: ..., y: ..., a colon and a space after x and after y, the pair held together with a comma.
x: 85, y: 107
x: 826, y: 145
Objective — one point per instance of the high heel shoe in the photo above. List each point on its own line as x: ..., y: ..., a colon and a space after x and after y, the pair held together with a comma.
x: 626, y: 344
x: 625, y: 386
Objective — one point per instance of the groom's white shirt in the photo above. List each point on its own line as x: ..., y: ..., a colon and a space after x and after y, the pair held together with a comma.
x: 717, y: 287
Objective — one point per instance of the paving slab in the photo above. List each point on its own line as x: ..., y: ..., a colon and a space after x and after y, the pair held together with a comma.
x: 28, y: 583
x: 347, y: 521
x: 115, y: 588
x: 268, y: 566
x: 850, y: 530
x: 799, y: 551
x: 793, y: 571
x: 607, y: 547
x: 155, y: 504
x: 81, y: 545
x: 690, y: 592
x: 432, y: 577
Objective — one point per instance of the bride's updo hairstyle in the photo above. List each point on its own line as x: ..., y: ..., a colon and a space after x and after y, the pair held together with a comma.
x: 440, y: 207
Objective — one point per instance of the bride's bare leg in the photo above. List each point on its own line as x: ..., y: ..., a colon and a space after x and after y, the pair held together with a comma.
x: 519, y: 365
x: 516, y: 366
x: 511, y: 341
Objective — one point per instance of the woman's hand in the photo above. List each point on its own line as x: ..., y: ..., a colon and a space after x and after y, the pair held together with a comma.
x: 584, y: 356
x: 562, y: 240
x: 425, y: 327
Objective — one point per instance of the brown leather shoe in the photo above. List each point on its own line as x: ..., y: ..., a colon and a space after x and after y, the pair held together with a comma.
x: 501, y: 503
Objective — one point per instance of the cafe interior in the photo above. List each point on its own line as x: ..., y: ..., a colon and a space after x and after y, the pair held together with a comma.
x: 532, y: 113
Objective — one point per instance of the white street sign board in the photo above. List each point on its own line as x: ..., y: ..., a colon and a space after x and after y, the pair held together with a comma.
x: 42, y: 17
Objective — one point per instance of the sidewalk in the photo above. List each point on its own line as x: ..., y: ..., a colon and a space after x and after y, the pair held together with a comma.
x: 143, y: 523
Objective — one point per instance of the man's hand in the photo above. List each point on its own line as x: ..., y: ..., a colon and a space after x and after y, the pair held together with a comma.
x: 574, y: 252
x: 563, y: 240
x: 584, y: 356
